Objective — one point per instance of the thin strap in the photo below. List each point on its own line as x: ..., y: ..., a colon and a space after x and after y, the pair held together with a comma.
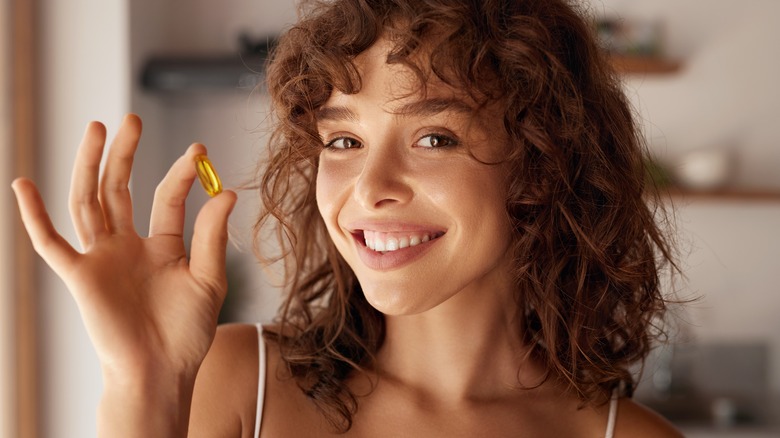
x: 613, y: 405
x: 260, y: 379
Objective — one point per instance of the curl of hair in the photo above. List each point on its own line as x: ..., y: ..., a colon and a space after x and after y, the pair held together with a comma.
x: 586, y: 245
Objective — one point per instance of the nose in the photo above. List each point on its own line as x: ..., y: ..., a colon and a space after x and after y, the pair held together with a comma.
x: 384, y: 178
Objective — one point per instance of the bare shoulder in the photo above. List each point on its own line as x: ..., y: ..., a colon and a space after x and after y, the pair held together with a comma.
x: 638, y: 421
x: 225, y: 395
x: 284, y: 400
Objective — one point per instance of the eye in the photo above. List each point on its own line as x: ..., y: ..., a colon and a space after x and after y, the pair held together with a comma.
x: 436, y: 141
x: 343, y: 143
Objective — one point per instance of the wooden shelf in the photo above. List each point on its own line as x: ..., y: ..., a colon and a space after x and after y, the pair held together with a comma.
x: 751, y: 195
x: 627, y: 64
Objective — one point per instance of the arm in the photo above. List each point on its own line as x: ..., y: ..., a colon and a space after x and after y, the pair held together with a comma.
x: 150, y: 311
x: 225, y: 397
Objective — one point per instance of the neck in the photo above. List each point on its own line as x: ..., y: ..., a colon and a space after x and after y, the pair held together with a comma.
x: 468, y: 348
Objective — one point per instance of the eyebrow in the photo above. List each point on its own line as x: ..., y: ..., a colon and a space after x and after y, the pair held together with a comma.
x: 336, y: 114
x: 421, y: 108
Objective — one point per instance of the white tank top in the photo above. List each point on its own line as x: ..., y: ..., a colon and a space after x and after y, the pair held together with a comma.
x: 262, y: 363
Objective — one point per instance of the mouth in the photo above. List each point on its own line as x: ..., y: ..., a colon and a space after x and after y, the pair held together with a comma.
x: 385, y: 242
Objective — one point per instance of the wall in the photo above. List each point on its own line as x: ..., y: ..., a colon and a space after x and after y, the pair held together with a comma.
x: 84, y: 76
x: 6, y: 251
x: 725, y: 96
x: 733, y: 265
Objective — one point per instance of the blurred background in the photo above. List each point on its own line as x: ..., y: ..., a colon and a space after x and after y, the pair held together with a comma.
x: 701, y: 75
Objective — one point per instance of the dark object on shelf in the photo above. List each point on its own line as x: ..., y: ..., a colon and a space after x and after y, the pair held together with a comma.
x: 630, y: 37
x: 241, y: 71
x: 634, y: 46
x: 720, y: 384
x: 186, y: 74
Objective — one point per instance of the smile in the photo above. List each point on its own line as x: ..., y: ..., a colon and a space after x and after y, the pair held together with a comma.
x: 393, y: 241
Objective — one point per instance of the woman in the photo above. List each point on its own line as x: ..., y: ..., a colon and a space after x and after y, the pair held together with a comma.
x: 460, y: 192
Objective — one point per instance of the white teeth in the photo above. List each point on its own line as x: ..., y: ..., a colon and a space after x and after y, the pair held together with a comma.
x: 391, y: 244
x: 382, y: 242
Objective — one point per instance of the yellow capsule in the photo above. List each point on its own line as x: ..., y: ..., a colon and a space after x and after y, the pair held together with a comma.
x: 207, y: 175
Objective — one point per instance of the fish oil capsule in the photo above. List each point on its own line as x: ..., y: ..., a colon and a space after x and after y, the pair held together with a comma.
x: 208, y: 175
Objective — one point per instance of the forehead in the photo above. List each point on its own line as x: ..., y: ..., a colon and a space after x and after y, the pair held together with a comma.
x: 398, y: 88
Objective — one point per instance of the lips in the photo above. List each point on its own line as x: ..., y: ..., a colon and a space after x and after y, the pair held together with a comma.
x: 385, y: 247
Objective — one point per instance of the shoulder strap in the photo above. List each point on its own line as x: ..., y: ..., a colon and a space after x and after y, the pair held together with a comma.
x: 260, y: 379
x: 613, y: 405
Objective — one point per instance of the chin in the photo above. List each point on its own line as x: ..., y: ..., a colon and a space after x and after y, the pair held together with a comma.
x: 396, y: 301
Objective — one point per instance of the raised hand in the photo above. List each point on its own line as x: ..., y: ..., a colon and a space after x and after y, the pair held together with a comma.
x: 150, y: 312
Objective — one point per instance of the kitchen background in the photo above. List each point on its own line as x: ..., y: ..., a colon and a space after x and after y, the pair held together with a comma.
x: 719, y: 103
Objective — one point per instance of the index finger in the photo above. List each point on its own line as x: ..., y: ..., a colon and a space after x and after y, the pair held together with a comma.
x: 171, y: 195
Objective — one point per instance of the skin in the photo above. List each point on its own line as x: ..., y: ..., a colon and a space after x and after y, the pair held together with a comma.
x: 168, y: 369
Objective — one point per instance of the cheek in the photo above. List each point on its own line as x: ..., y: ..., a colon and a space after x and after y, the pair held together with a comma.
x: 470, y: 191
x: 480, y: 200
x: 325, y: 184
x: 332, y: 187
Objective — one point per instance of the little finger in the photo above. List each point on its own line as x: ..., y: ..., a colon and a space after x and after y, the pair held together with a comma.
x: 46, y: 241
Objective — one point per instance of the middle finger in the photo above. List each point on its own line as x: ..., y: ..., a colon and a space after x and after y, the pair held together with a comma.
x: 114, y: 191
x: 83, y: 202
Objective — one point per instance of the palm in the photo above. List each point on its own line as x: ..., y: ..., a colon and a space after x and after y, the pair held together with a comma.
x: 150, y: 305
x: 144, y: 304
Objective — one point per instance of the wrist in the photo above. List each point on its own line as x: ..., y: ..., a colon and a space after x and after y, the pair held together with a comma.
x: 143, y: 376
x: 152, y: 403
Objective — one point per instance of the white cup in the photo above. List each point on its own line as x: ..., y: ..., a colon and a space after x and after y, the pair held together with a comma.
x: 705, y: 169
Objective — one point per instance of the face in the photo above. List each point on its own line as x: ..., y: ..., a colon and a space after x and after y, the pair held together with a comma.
x: 411, y: 210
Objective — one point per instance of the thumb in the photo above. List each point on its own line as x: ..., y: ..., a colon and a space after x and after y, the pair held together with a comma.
x: 209, y: 242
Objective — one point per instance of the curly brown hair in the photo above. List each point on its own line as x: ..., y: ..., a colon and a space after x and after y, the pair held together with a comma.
x: 586, y: 245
